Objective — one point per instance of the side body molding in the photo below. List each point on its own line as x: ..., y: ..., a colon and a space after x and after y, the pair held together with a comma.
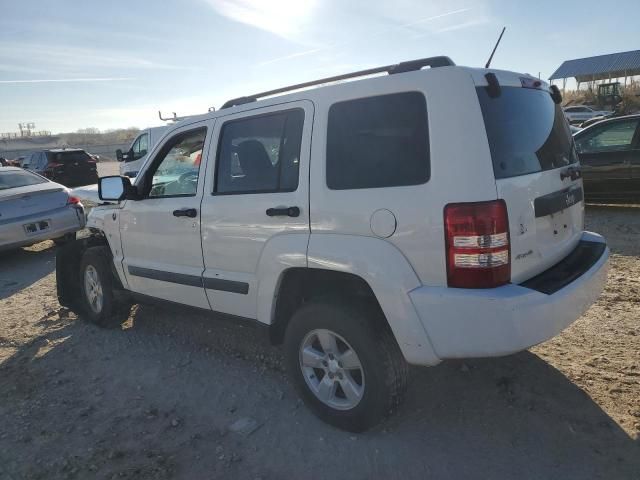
x: 391, y: 278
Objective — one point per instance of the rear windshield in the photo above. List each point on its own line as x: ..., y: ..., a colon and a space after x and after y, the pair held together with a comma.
x: 17, y: 178
x: 68, y: 157
x: 527, y: 131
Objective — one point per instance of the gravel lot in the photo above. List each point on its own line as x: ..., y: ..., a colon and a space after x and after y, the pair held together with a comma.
x: 181, y: 396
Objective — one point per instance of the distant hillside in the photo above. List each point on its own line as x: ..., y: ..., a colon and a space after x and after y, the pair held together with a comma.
x: 69, y: 140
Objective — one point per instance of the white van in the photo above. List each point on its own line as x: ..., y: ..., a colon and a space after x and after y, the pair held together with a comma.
x: 132, y: 160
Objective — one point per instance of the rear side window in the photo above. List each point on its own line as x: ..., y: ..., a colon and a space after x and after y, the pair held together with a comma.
x: 527, y: 132
x: 378, y: 142
x: 68, y: 157
x: 260, y: 154
x: 612, y: 136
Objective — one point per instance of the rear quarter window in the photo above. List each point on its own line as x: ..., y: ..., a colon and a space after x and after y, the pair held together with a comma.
x: 376, y: 142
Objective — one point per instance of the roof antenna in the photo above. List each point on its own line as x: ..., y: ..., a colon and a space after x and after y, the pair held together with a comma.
x: 495, y: 48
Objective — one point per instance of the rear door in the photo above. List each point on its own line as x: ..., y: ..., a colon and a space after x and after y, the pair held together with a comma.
x: 532, y: 149
x: 606, y: 152
x: 259, y: 192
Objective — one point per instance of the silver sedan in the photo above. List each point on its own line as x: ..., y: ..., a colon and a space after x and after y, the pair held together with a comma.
x: 33, y: 209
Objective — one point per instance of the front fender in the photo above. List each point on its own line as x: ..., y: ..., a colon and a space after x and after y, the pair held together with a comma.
x: 105, y: 219
x: 390, y: 277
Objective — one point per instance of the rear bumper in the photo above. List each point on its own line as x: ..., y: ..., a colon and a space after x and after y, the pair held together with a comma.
x: 63, y: 220
x: 464, y: 323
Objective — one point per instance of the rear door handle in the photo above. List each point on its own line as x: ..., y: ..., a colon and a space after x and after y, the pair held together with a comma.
x: 186, y: 212
x: 283, y: 212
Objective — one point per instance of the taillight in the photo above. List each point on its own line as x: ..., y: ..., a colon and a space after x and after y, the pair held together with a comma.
x: 53, y: 165
x: 477, y: 240
x: 73, y: 200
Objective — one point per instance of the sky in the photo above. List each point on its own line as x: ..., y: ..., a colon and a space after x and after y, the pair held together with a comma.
x: 71, y: 64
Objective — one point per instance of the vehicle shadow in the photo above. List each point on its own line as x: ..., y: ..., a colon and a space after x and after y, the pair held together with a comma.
x: 22, y: 267
x: 162, y: 392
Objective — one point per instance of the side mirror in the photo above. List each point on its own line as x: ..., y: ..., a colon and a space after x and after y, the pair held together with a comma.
x: 119, y: 155
x: 114, y: 188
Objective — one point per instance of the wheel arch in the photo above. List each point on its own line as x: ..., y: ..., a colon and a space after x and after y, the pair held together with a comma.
x: 366, y: 267
x: 68, y: 258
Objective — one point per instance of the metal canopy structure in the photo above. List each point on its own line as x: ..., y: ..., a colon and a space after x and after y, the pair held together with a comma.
x: 602, y: 67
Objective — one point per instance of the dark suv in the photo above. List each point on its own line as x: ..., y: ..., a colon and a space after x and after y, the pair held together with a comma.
x: 69, y: 166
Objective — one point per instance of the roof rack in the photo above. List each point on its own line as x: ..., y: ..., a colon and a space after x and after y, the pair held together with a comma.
x: 409, y: 66
x: 176, y: 118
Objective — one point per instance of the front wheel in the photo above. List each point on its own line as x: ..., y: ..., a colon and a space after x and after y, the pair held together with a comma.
x: 345, y: 363
x: 96, y: 284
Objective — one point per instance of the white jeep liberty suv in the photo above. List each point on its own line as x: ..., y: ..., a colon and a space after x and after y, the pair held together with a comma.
x: 408, y: 217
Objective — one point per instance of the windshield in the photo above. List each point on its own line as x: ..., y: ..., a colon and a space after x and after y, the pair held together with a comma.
x: 18, y: 178
x: 527, y: 132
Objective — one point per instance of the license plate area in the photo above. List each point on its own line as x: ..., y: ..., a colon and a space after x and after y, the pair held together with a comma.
x: 34, y: 228
x: 557, y: 201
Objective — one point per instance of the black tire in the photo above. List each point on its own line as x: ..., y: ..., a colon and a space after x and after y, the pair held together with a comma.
x: 66, y: 238
x: 112, y: 312
x: 366, y: 332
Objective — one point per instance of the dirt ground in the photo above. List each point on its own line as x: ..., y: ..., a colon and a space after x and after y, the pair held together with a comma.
x: 162, y: 397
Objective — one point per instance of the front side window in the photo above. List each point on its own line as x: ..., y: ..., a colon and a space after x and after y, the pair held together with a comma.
x: 260, y: 154
x: 177, y: 168
x: 378, y: 142
x: 605, y: 138
x: 140, y: 146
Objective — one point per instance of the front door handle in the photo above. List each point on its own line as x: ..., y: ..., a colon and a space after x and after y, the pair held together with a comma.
x: 186, y: 212
x: 283, y: 212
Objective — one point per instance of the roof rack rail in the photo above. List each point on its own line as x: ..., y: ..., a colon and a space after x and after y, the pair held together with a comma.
x: 176, y: 118
x: 402, y: 67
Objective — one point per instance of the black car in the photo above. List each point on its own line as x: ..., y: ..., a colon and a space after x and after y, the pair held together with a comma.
x: 609, y: 152
x: 68, y: 166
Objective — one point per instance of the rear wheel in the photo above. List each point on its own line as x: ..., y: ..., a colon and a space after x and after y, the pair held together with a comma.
x: 96, y: 282
x: 345, y: 363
